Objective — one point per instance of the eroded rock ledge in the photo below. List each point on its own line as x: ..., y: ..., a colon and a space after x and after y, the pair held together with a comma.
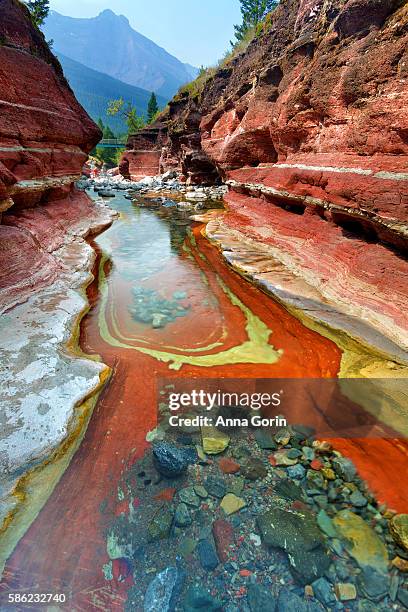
x: 47, y: 386
x: 308, y: 128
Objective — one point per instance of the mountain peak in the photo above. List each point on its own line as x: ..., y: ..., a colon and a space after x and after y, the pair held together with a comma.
x: 129, y: 57
x: 109, y: 14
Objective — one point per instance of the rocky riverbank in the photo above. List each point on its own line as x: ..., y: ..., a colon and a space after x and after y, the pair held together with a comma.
x: 252, y: 519
x: 169, y: 182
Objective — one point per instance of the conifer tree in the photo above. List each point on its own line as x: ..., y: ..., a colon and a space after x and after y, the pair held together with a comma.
x: 152, y: 108
x: 107, y: 133
x: 39, y: 10
x: 253, y: 12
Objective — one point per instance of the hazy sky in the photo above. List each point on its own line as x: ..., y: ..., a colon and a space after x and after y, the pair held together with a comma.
x: 195, y: 31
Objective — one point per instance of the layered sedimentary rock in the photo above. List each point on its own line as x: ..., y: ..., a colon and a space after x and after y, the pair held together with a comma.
x: 47, y: 386
x: 144, y: 150
x: 309, y: 129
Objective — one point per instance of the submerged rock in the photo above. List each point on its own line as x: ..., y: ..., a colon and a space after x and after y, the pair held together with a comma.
x: 254, y: 469
x: 164, y: 590
x: 260, y: 598
x: 189, y: 497
x: 198, y: 598
x: 323, y: 591
x: 216, y: 487
x: 231, y: 503
x: 373, y: 584
x: 326, y: 524
x: 182, y: 516
x: 399, y: 530
x: 213, y: 440
x: 169, y: 460
x: 207, y: 555
x: 288, y: 601
x: 344, y: 468
x: 345, y: 591
x: 362, y: 543
x: 297, y: 533
x: 160, y: 525
x: 223, y: 534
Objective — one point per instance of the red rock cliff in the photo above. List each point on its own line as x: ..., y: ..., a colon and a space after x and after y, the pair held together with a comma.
x: 47, y: 390
x: 45, y: 134
x: 309, y: 127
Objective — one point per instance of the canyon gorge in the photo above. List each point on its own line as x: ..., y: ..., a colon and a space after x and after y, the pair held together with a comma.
x: 308, y: 127
x: 300, y: 273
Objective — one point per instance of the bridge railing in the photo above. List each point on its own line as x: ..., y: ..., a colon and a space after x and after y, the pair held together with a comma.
x: 113, y: 142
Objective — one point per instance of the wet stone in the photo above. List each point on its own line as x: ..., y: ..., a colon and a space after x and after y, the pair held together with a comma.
x: 228, y: 465
x: 394, y: 584
x: 322, y: 590
x: 164, y: 590
x: 186, y: 547
x: 182, y: 516
x: 260, y: 598
x: 189, y: 497
x: 342, y: 571
x: 169, y: 460
x: 213, y: 440
x: 289, y: 490
x: 364, y: 605
x: 308, y: 453
x: 282, y: 437
x: 281, y: 458
x: 231, y: 503
x: 401, y: 564
x: 288, y: 601
x: 321, y: 501
x: 344, y: 468
x: 361, y: 541
x: 402, y: 597
x: 358, y: 500
x: 326, y: 524
x: 399, y: 530
x: 198, y: 598
x: 254, y: 469
x: 315, y: 479
x: 294, y: 453
x: 296, y: 472
x: 345, y: 591
x: 236, y: 486
x: 207, y: 555
x: 297, y: 533
x: 160, y: 525
x: 328, y: 473
x: 201, y: 491
x: 264, y: 440
x: 373, y: 584
x: 223, y: 534
x: 216, y: 487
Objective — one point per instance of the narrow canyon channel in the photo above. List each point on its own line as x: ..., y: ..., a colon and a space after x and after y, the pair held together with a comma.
x: 208, y: 323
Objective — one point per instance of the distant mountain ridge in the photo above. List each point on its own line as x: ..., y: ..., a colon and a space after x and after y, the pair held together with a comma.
x: 94, y: 90
x: 108, y: 44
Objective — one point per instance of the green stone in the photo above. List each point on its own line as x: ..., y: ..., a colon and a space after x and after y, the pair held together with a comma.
x: 160, y: 525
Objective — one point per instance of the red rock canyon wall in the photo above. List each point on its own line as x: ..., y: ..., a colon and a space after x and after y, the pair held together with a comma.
x: 309, y: 128
x: 47, y: 387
